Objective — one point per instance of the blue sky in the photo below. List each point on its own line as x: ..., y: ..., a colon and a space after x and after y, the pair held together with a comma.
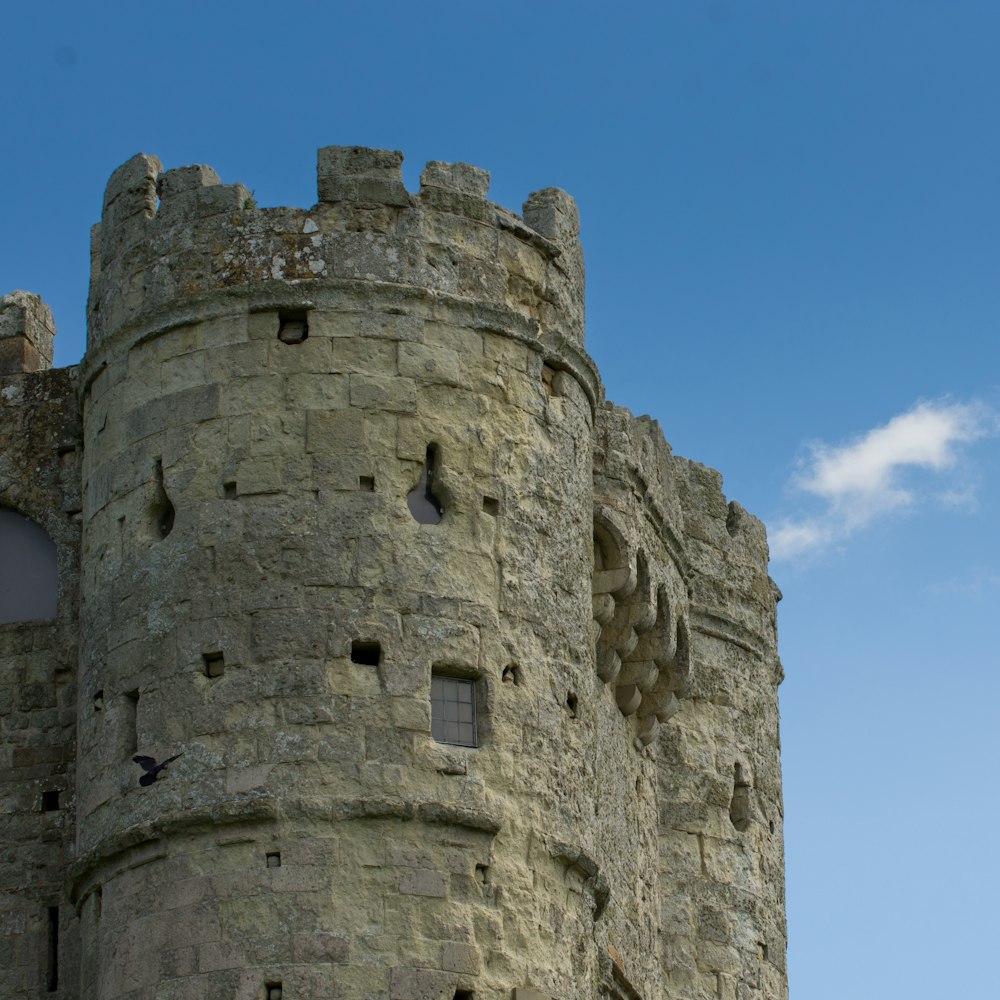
x: 790, y: 214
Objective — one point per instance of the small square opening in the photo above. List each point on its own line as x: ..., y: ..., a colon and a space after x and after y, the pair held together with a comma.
x: 229, y: 490
x: 50, y: 800
x: 273, y: 859
x: 366, y: 483
x: 491, y: 506
x: 366, y: 651
x: 272, y: 991
x: 214, y: 664
x: 293, y: 327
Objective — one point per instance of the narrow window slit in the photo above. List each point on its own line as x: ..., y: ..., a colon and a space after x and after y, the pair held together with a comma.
x: 549, y: 380
x: 99, y: 700
x: 482, y: 873
x: 293, y: 326
x: 52, y: 951
x: 366, y: 652
x: 740, y: 806
x: 214, y: 664
x: 50, y: 800
x: 162, y: 510
x: 131, y: 722
x: 229, y: 490
x: 571, y: 703
x: 424, y: 505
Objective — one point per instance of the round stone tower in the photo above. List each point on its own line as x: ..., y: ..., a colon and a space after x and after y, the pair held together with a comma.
x: 345, y: 566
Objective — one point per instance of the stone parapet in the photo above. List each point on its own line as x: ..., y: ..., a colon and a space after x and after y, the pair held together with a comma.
x: 168, y: 236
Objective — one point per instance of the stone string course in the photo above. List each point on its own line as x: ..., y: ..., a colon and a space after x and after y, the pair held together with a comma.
x: 225, y: 477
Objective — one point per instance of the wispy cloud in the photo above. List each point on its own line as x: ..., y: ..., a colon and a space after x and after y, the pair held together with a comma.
x: 976, y: 582
x: 874, y: 473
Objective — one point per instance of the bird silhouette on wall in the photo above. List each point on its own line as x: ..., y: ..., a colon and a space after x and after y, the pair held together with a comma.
x: 152, y: 769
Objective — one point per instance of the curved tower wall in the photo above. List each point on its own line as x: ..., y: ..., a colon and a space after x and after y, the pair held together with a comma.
x: 255, y: 596
x: 246, y: 526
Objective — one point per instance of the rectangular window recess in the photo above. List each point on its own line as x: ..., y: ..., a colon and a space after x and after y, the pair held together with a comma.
x: 272, y: 991
x: 453, y: 711
x: 99, y: 701
x: 366, y: 652
x: 214, y: 664
x: 366, y: 483
x: 293, y: 326
x: 273, y: 859
x: 491, y: 506
x: 229, y: 490
x: 50, y: 801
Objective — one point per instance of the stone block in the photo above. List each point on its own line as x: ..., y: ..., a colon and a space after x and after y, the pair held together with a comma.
x: 381, y: 392
x: 356, y: 173
x: 424, y: 882
x: 553, y: 213
x: 412, y: 713
x: 321, y: 946
x: 419, y: 984
x: 335, y: 432
x: 428, y: 364
x: 459, y: 957
x: 27, y: 330
x: 461, y: 177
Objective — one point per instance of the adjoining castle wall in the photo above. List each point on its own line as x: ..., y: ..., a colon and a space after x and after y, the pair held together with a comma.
x: 330, y: 454
x: 39, y: 479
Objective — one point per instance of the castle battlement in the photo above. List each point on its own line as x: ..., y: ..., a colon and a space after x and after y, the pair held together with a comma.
x: 443, y: 676
x: 183, y: 234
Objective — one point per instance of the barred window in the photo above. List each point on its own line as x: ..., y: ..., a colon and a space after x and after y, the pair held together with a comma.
x: 453, y: 710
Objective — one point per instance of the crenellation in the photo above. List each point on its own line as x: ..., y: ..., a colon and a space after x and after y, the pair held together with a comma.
x: 355, y: 173
x: 460, y: 178
x: 27, y: 332
x: 131, y: 189
x: 330, y: 459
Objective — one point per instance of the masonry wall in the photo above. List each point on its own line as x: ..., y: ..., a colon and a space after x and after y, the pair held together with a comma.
x: 267, y: 396
x: 39, y: 479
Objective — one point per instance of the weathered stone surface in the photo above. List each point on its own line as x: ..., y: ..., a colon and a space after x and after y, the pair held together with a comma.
x: 255, y: 597
x: 26, y: 333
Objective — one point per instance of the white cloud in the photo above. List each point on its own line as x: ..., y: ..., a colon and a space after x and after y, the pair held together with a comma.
x: 975, y: 583
x: 867, y: 477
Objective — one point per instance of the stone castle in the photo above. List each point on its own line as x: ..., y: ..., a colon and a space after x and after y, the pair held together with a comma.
x: 469, y: 682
